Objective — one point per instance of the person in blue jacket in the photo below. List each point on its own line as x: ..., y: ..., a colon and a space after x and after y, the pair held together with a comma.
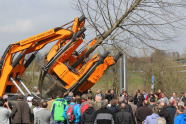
x: 76, y: 109
x: 181, y: 118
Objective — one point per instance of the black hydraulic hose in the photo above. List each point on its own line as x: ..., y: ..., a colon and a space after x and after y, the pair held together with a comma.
x: 31, y: 58
x: 20, y: 56
x: 3, y: 57
x: 82, y: 58
x: 81, y: 19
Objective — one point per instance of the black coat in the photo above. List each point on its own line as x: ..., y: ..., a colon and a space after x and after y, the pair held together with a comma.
x: 109, y: 97
x: 103, y: 116
x: 172, y: 111
x: 87, y: 116
x: 164, y: 113
x: 124, y: 117
x: 114, y: 109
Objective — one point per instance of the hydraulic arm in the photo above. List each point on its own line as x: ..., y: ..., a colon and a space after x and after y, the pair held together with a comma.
x: 13, y: 62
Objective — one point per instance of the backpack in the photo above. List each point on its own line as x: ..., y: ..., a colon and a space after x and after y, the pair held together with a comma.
x: 70, y: 113
x: 84, y: 108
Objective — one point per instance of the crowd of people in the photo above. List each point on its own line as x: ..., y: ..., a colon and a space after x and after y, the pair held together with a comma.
x: 98, y: 108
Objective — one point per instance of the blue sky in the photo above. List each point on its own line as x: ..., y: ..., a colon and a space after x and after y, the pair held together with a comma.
x: 21, y: 19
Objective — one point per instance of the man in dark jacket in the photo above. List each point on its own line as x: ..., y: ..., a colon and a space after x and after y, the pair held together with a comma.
x: 21, y: 111
x: 128, y: 107
x: 172, y: 110
x: 164, y: 113
x: 136, y: 96
x: 103, y: 115
x: 142, y: 112
x: 124, y: 117
x: 87, y: 115
x: 69, y: 97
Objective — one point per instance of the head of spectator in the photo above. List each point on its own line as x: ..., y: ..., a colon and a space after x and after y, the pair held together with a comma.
x: 91, y: 105
x: 155, y: 110
x: 161, y: 120
x: 104, y: 103
x: 163, y: 94
x: 89, y: 91
x: 44, y: 104
x: 130, y: 99
x: 34, y: 102
x: 115, y: 97
x: 98, y: 98
x: 144, y: 92
x: 20, y: 97
x: 181, y: 104
x: 123, y: 106
x: 121, y: 100
x: 180, y: 109
x: 125, y: 93
x: 171, y: 102
x: 71, y: 94
x: 159, y: 91
x: 84, y: 97
x: 108, y: 91
x: 89, y: 96
x: 5, y: 98
x: 98, y: 91
x: 161, y: 105
x: 112, y: 92
x: 139, y: 95
x: 60, y: 95
x: 182, y: 94
x: 123, y: 90
x: 35, y: 90
x: 137, y: 91
x: 151, y: 92
x: 73, y: 100
x: 152, y: 100
x: 114, y: 102
x: 53, y: 96
x: 174, y: 95
x: 77, y: 97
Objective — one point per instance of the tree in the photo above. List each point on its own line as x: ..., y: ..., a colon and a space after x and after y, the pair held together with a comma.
x: 167, y: 72
x: 132, y: 23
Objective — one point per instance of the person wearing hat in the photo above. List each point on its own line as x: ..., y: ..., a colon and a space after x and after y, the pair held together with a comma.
x: 182, y: 95
x: 29, y: 101
x: 88, y: 113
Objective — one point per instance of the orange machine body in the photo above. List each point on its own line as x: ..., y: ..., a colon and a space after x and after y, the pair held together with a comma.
x: 58, y: 61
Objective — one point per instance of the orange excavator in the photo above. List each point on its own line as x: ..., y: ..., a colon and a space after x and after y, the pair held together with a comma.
x: 63, y: 70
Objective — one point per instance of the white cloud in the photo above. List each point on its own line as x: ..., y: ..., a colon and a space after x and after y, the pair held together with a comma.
x: 18, y: 27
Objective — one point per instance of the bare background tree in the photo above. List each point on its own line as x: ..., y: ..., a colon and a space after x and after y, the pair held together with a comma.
x: 133, y: 23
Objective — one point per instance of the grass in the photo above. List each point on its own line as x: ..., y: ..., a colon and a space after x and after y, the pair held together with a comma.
x: 134, y: 81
